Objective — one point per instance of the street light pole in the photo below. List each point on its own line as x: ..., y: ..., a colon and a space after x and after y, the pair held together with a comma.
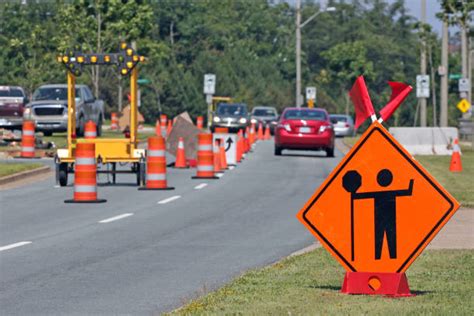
x: 299, y: 26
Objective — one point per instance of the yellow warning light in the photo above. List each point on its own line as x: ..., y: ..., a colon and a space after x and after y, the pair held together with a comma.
x: 80, y: 59
x: 135, y: 58
x: 142, y: 58
x: 129, y: 64
x: 107, y: 58
x: 65, y: 59
x: 93, y: 59
x: 124, y: 71
x: 129, y: 52
x: 123, y: 45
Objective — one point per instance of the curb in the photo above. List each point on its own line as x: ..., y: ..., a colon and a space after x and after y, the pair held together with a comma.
x: 24, y: 174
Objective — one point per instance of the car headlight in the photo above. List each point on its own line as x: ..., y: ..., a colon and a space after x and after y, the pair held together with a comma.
x: 243, y: 120
x: 216, y: 119
x: 253, y: 121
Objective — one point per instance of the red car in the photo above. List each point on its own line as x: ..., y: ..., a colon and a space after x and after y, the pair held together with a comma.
x: 304, y: 129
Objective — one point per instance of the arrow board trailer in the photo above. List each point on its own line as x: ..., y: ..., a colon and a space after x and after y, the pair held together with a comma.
x: 230, y: 145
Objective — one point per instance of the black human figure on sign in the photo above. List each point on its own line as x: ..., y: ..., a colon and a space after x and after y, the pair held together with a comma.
x: 385, y: 209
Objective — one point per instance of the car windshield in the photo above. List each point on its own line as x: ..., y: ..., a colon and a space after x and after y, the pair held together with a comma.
x: 10, y: 92
x: 335, y: 119
x: 264, y: 112
x: 231, y: 109
x: 303, y: 114
x: 52, y: 94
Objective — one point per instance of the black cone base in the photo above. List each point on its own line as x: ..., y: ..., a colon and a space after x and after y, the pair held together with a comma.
x: 155, y: 189
x: 204, y: 178
x: 85, y: 202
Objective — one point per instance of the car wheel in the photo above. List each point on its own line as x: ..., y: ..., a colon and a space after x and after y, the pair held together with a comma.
x: 278, y: 151
x: 47, y: 133
x: 330, y: 152
x: 80, y: 127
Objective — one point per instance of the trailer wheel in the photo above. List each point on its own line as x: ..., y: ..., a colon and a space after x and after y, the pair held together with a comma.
x: 62, y: 174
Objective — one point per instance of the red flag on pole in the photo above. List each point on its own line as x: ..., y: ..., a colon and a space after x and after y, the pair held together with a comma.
x: 361, y: 99
x: 399, y: 92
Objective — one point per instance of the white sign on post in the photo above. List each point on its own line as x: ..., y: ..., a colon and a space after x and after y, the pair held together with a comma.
x: 464, y: 85
x: 422, y: 86
x: 310, y: 93
x: 230, y: 145
x: 209, y: 84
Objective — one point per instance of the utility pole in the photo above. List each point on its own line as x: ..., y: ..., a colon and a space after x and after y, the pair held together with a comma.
x: 443, y: 116
x: 465, y: 68
x: 423, y: 62
x: 298, y: 53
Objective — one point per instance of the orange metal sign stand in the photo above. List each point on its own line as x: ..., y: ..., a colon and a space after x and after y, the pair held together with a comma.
x: 377, y: 211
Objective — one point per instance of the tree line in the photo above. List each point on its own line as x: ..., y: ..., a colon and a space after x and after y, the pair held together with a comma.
x: 248, y: 44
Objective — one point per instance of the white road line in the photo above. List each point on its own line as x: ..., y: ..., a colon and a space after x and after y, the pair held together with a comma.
x: 231, y: 167
x: 18, y: 244
x: 115, y: 218
x: 170, y: 199
x: 200, y: 186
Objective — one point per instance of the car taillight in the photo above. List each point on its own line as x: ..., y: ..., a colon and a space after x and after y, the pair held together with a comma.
x: 347, y: 124
x: 287, y: 127
x: 323, y: 128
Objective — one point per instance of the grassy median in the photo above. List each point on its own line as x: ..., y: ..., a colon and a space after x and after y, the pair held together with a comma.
x: 309, y: 285
x: 7, y: 169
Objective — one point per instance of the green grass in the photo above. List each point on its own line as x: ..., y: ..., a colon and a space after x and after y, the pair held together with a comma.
x: 309, y: 285
x: 7, y: 169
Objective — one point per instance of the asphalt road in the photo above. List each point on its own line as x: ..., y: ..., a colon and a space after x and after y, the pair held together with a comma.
x: 164, y: 248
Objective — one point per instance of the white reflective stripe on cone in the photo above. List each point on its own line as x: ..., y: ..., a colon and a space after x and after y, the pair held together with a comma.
x: 85, y: 188
x: 85, y: 161
x: 156, y: 176
x: 156, y: 153
x: 28, y: 149
x: 28, y: 133
x: 205, y: 168
x: 205, y: 147
x: 90, y: 134
x: 180, y: 145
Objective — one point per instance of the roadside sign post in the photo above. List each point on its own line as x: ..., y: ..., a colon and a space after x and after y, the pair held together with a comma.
x: 209, y: 91
x: 376, y: 212
x: 310, y: 96
x: 422, y: 86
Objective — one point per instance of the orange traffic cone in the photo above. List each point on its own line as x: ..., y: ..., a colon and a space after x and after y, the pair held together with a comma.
x: 156, y: 165
x: 267, y: 135
x: 85, y: 175
x: 239, y: 147
x: 114, y: 121
x: 180, y: 155
x: 223, y: 155
x: 169, y: 128
x: 28, y: 140
x: 163, y: 122
x: 217, y: 157
x: 252, y: 134
x: 456, y: 165
x: 158, y: 128
x: 90, y: 130
x: 260, y: 131
x: 199, y: 122
x: 205, y: 158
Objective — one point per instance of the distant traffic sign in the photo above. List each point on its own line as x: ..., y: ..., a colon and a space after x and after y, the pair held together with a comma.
x: 310, y: 93
x: 464, y: 85
x: 143, y: 81
x: 209, y: 84
x: 422, y: 86
x: 379, y: 208
x: 464, y: 105
x: 455, y: 76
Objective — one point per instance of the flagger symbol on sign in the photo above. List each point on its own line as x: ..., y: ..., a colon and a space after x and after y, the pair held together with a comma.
x: 384, y: 207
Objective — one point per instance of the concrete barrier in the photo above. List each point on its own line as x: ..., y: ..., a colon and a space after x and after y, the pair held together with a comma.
x: 426, y: 140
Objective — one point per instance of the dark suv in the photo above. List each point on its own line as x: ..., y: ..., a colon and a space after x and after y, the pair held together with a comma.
x: 233, y: 116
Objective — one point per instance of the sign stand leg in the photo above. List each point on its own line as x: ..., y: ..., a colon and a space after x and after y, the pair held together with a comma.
x: 376, y: 283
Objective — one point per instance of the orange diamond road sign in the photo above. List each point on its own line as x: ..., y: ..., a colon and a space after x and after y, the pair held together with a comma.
x: 379, y: 208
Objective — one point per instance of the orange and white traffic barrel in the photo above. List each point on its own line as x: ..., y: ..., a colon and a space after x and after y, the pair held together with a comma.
x: 156, y: 165
x: 199, y: 122
x: 28, y: 139
x: 205, y: 157
x: 85, y: 175
x: 90, y: 130
x: 114, y: 121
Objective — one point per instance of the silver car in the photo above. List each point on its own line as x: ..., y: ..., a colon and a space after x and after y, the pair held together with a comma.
x: 343, y: 124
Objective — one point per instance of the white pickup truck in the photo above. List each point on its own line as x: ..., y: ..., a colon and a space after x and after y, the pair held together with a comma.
x: 48, y: 109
